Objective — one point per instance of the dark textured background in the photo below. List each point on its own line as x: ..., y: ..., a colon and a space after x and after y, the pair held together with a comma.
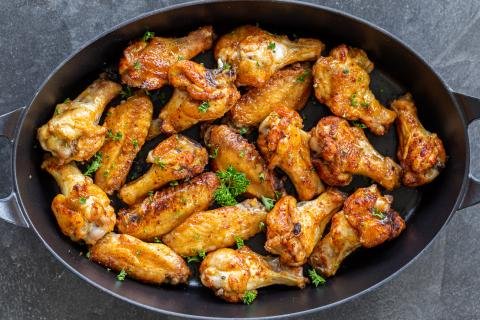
x: 35, y: 36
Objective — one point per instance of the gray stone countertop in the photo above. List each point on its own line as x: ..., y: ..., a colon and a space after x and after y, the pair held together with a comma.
x: 36, y: 36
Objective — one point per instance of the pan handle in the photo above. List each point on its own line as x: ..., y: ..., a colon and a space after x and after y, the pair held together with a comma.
x: 471, y: 110
x: 10, y: 210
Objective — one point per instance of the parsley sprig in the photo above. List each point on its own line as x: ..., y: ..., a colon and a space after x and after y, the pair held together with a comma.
x: 232, y: 184
x: 249, y: 296
x: 94, y: 165
x: 315, y: 277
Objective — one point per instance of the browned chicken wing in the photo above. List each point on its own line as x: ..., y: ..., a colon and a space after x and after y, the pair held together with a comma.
x: 73, y: 133
x: 341, y: 81
x: 256, y: 54
x: 175, y: 158
x: 148, y: 262
x: 231, y: 274
x: 82, y: 210
x: 421, y: 153
x: 145, y: 63
x: 285, y: 145
x: 341, y: 151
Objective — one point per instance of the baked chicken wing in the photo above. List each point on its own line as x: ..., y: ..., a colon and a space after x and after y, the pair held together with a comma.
x: 341, y: 82
x: 421, y: 153
x: 231, y: 274
x: 127, y: 126
x: 148, y: 262
x: 219, y: 228
x: 340, y: 151
x: 82, y: 210
x: 73, y: 132
x: 145, y: 63
x: 200, y: 94
x: 294, y: 229
x: 168, y: 208
x: 175, y: 158
x: 256, y: 54
x: 284, y: 144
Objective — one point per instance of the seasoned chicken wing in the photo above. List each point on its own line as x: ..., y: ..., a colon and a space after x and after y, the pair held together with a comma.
x: 175, y: 158
x: 218, y: 228
x: 421, y: 153
x: 73, y: 133
x: 127, y: 126
x: 145, y: 63
x: 228, y: 148
x: 200, y: 94
x: 289, y: 87
x: 340, y: 151
x: 82, y: 210
x: 168, y: 208
x: 148, y: 262
x: 231, y: 274
x: 341, y: 81
x: 294, y: 229
x: 285, y: 145
x: 256, y: 54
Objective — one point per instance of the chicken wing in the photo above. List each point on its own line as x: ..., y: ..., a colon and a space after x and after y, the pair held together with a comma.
x: 341, y: 81
x: 228, y: 148
x: 127, y: 126
x: 294, y: 229
x: 231, y: 274
x: 285, y: 145
x: 168, y: 208
x: 148, y: 262
x: 82, y: 210
x: 289, y: 87
x: 421, y: 153
x: 73, y: 133
x: 340, y: 151
x: 175, y: 158
x: 145, y: 63
x: 218, y: 228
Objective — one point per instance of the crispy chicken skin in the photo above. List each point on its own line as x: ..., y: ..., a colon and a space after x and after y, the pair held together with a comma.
x: 421, y: 153
x: 73, y: 132
x: 284, y: 144
x: 341, y: 82
x: 200, y: 95
x: 340, y: 151
x: 256, y: 54
x: 82, y: 210
x: 289, y: 87
x: 218, y: 228
x: 231, y: 149
x: 148, y: 262
x: 127, y: 126
x: 145, y: 64
x: 294, y: 229
x: 175, y: 158
x: 168, y: 208
x: 231, y: 273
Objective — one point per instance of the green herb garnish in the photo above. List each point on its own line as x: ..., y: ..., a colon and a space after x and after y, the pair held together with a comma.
x: 271, y: 46
x: 261, y: 176
x: 135, y: 143
x: 204, y: 106
x: 148, y: 35
x: 159, y: 162
x: 278, y: 194
x: 94, y: 165
x: 214, y: 153
x: 157, y: 240
x: 249, y: 296
x: 359, y: 124
x: 173, y: 183
x: 346, y: 71
x: 316, y: 278
x: 378, y: 213
x: 82, y: 200
x: 121, y: 276
x: 117, y: 136
x: 305, y: 74
x: 268, y: 203
x: 261, y: 226
x: 202, y: 254
x: 233, y: 183
x: 242, y: 131
x: 239, y: 242
x: 242, y: 154
x: 126, y: 93
x: 137, y: 65
x: 353, y: 100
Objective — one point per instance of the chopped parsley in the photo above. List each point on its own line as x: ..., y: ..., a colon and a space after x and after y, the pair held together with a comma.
x: 353, y: 100
x: 87, y: 255
x: 193, y: 259
x: 204, y: 106
x: 303, y: 76
x: 94, y: 165
x: 233, y: 183
x: 157, y: 240
x: 117, y: 136
x: 378, y: 213
x: 148, y: 35
x: 135, y: 143
x: 173, y: 183
x: 268, y: 203
x: 137, y: 65
x: 242, y: 131
x: 214, y: 153
x: 242, y: 154
x: 67, y: 100
x: 201, y: 254
x: 125, y: 93
x: 278, y: 194
x: 226, y: 66
x: 57, y: 111
x: 365, y: 104
x: 239, y: 242
x: 359, y: 124
x: 261, y: 176
x: 121, y: 276
x: 271, y: 46
x: 249, y: 296
x: 316, y: 278
x: 180, y: 58
x: 159, y: 162
x: 346, y: 71
x: 82, y: 200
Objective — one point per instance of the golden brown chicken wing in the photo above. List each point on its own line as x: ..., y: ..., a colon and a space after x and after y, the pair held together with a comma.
x: 341, y: 150
x: 83, y: 210
x: 234, y: 274
x: 256, y: 54
x: 175, y: 158
x: 127, y: 126
x: 148, y: 262
x: 421, y: 153
x: 284, y: 144
x: 341, y: 81
x: 160, y: 213
x: 219, y: 228
x: 228, y: 148
x: 294, y: 229
x: 73, y: 133
x: 145, y: 63
x: 289, y: 87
